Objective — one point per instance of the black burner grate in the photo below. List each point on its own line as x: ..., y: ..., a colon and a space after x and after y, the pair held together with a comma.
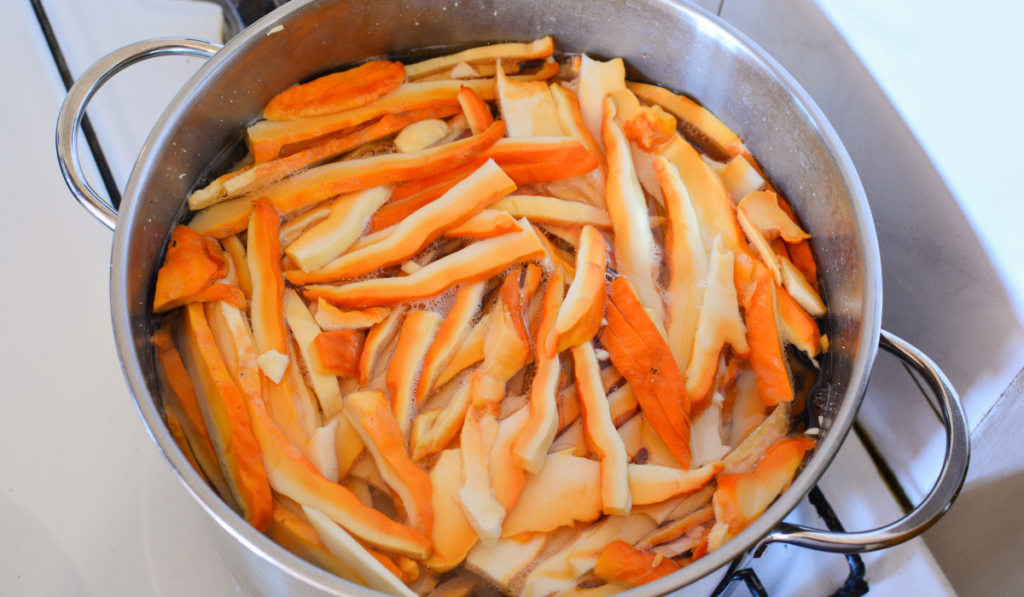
x: 855, y: 586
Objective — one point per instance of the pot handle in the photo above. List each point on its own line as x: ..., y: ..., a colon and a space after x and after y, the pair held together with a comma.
x: 73, y: 109
x: 938, y: 500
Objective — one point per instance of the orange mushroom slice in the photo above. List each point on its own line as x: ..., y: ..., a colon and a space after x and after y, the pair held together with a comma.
x: 635, y: 369
x: 687, y: 261
x: 337, y: 92
x: 339, y: 352
x: 414, y: 341
x: 633, y: 325
x: 379, y: 336
x: 226, y: 419
x: 267, y: 137
x: 796, y: 326
x: 264, y: 256
x: 742, y: 497
x: 530, y: 448
x: 180, y: 398
x: 446, y: 424
x: 455, y: 207
x: 349, y: 215
x: 310, y: 153
x: 622, y: 564
x: 715, y: 213
x: 450, y: 336
x: 486, y: 224
x: 290, y: 473
x: 535, y: 172
x: 469, y: 353
x: 649, y: 127
x: 453, y: 536
x: 483, y: 511
x: 332, y: 319
x: 767, y: 354
x: 320, y: 183
x: 478, y: 262
x: 602, y: 438
x: 698, y: 123
x: 522, y: 52
x: 634, y: 242
x: 371, y: 416
x: 719, y: 323
x: 478, y: 114
x: 580, y: 315
x: 190, y: 268
x: 506, y: 346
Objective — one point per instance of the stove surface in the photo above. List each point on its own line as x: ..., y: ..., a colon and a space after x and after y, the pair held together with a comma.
x: 88, y: 505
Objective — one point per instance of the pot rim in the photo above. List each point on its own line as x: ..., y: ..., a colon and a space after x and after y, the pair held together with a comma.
x: 295, y: 567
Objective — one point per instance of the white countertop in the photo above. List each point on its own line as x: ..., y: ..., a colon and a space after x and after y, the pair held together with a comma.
x: 87, y: 504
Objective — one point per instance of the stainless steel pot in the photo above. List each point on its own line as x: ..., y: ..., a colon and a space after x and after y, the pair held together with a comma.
x: 665, y: 41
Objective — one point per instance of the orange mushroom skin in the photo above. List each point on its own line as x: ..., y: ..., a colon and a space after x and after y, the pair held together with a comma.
x: 767, y: 357
x: 190, y: 268
x: 623, y: 565
x: 477, y: 113
x: 337, y: 92
x: 339, y: 351
x: 742, y: 497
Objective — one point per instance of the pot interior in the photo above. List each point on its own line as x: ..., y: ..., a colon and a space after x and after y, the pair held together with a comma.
x: 672, y: 44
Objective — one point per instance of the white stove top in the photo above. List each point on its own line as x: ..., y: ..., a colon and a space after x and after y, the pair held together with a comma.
x: 87, y: 505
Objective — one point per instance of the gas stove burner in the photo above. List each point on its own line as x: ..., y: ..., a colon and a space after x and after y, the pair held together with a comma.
x: 239, y: 14
x: 855, y: 586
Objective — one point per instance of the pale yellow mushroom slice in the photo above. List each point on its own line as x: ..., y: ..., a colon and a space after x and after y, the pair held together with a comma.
x: 267, y: 137
x: 634, y: 242
x: 551, y: 210
x: 450, y: 335
x: 333, y: 319
x: 349, y: 215
x: 741, y: 178
x: 305, y: 330
x: 379, y: 336
x: 527, y: 108
x: 502, y: 562
x: 801, y: 290
x: 567, y: 490
x: 471, y: 264
x: 530, y: 448
x: 597, y: 80
x: 417, y: 334
x: 322, y: 451
x: 719, y: 323
x: 295, y: 227
x: 355, y: 556
x: 469, y: 353
x: 453, y: 536
x: 604, y: 441
x: 541, y: 48
x: 687, y: 263
x: 476, y: 495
